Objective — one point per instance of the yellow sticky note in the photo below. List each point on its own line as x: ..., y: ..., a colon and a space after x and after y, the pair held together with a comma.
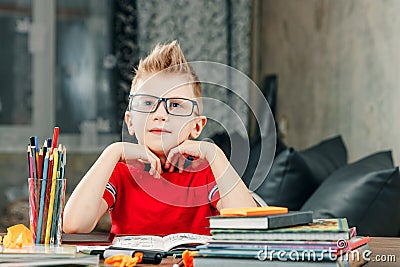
x: 254, y: 211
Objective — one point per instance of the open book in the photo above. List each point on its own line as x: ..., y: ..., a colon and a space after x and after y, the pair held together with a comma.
x: 169, y: 243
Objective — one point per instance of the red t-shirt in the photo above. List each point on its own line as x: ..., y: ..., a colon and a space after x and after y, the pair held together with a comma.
x: 140, y: 204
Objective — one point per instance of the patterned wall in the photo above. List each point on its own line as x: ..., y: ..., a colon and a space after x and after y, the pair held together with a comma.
x: 217, y: 31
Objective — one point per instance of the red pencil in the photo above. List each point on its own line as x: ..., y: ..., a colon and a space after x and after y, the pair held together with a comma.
x: 55, y: 137
x: 33, y: 208
x: 30, y: 164
x: 40, y: 164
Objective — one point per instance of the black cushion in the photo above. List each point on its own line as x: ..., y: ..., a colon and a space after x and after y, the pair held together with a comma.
x: 294, y: 175
x: 254, y: 158
x: 366, y: 192
x: 289, y: 182
x: 280, y: 146
x: 325, y: 157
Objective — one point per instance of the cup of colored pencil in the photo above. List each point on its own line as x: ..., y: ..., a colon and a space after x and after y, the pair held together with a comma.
x: 47, y: 184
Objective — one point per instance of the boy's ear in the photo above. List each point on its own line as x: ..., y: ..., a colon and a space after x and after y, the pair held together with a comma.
x: 200, y: 122
x: 129, y: 123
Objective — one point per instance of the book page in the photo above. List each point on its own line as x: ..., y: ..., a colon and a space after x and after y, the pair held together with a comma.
x: 174, y: 240
x: 145, y: 242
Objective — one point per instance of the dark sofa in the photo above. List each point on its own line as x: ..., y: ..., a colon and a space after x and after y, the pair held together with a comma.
x: 320, y: 178
x: 366, y: 192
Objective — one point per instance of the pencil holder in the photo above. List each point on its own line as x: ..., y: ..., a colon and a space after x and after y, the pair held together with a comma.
x: 46, y: 206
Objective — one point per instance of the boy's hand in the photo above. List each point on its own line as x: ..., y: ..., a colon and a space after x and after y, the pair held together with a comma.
x: 132, y: 152
x: 196, y: 149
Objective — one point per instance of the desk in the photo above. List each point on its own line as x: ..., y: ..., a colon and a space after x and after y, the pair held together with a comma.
x: 385, y: 253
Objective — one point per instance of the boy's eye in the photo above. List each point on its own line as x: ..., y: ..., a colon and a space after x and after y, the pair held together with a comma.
x: 174, y: 104
x: 146, y: 101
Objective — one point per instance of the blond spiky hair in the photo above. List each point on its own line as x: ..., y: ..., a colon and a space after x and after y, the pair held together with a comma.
x: 170, y: 58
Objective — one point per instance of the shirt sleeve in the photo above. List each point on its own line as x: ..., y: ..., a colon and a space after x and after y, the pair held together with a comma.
x: 110, y: 193
x: 213, y: 193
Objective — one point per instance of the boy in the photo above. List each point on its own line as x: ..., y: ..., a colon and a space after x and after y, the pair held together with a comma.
x: 164, y: 114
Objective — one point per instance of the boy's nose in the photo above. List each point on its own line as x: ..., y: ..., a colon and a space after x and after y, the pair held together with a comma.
x: 160, y: 113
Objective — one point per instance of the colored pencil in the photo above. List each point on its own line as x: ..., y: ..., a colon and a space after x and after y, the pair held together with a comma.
x: 32, y: 217
x: 36, y: 145
x: 57, y: 200
x: 64, y: 162
x: 31, y: 185
x: 44, y: 148
x: 52, y: 195
x: 55, y: 137
x: 63, y: 189
x: 33, y: 151
x: 30, y: 167
x: 34, y: 172
x: 49, y: 143
x: 40, y: 165
x: 47, y: 197
x: 46, y: 170
x: 38, y: 187
x: 42, y: 199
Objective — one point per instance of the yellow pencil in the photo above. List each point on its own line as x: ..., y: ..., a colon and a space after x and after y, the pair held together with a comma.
x: 51, y: 201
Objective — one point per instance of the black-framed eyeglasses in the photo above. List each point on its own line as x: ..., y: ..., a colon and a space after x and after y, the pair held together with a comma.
x: 176, y: 106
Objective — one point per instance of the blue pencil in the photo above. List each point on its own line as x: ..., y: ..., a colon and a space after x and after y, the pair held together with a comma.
x: 56, y: 229
x: 36, y: 143
x: 64, y: 162
x: 49, y: 143
x: 44, y: 147
x: 42, y: 197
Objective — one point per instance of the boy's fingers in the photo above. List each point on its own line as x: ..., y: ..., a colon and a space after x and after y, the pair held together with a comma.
x: 155, y: 165
x: 154, y: 172
x: 181, y: 163
x: 169, y: 162
x: 154, y: 161
x: 170, y: 156
x: 158, y: 165
x: 171, y: 168
x: 173, y: 163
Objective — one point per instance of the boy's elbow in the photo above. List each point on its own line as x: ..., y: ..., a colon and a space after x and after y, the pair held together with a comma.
x: 74, y: 229
x: 71, y: 226
x: 69, y: 230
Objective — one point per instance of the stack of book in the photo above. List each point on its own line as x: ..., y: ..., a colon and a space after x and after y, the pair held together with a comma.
x: 291, y: 238
x: 45, y: 255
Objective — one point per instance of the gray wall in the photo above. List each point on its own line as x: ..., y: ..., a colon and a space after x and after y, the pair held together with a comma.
x: 338, y: 64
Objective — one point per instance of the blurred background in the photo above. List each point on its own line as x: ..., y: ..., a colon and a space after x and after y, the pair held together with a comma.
x: 68, y: 63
